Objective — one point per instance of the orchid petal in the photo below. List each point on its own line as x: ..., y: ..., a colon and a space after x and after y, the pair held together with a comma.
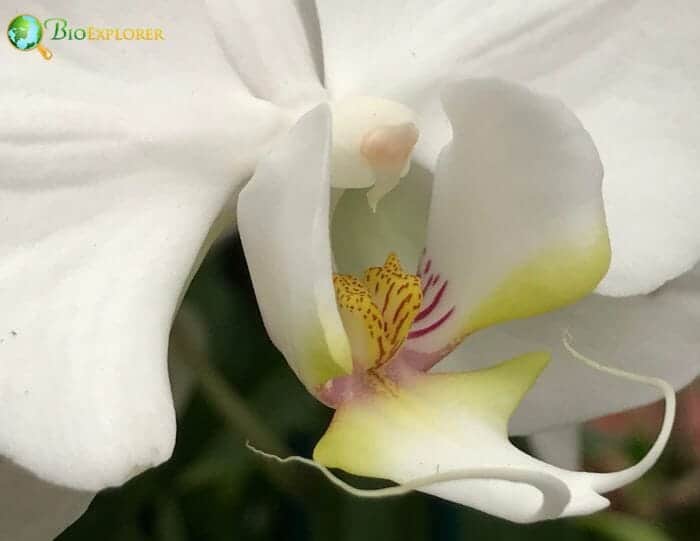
x: 516, y: 223
x: 648, y: 334
x: 114, y: 172
x: 398, y: 47
x: 638, y: 99
x: 86, y: 397
x: 639, y: 102
x: 33, y: 510
x: 284, y: 226
x: 441, y: 423
x: 268, y: 45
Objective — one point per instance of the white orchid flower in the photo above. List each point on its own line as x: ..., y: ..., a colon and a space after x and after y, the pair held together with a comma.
x: 509, y: 224
x: 121, y: 160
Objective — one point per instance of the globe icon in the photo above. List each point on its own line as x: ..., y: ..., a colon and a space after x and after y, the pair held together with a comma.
x: 25, y: 33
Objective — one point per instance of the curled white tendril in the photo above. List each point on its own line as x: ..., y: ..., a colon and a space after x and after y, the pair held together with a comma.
x: 555, y: 493
x: 605, y: 482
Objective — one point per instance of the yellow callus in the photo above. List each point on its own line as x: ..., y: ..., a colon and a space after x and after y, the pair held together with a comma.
x: 378, y: 310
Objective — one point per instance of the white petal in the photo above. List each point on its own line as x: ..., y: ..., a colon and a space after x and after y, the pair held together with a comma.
x: 560, y: 447
x: 283, y: 218
x: 652, y: 334
x: 516, y: 224
x: 628, y: 70
x: 115, y: 166
x: 92, y: 276
x: 267, y: 42
x: 397, y: 48
x: 445, y: 424
x: 639, y: 101
x: 33, y: 510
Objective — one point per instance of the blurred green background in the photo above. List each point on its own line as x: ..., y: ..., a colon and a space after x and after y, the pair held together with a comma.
x: 215, y: 489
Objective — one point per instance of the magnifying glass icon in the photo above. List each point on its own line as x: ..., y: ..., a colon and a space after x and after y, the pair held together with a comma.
x: 25, y: 33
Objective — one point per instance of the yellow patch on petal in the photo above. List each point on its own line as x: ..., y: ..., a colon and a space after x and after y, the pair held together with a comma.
x: 372, y: 435
x: 378, y: 311
x: 557, y: 277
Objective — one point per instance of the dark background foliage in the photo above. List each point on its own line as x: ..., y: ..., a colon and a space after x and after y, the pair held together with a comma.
x: 215, y: 489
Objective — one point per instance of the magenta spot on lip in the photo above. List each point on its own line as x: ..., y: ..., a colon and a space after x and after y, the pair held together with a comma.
x: 338, y: 390
x: 430, y: 328
x: 436, y: 300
